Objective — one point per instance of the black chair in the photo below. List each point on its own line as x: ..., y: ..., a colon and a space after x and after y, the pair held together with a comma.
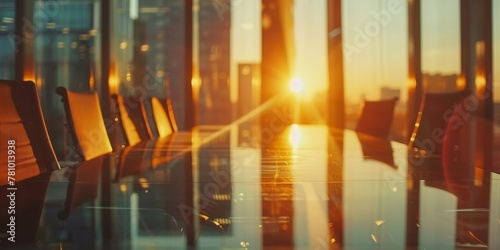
x: 24, y: 136
x: 376, y: 117
x: 86, y: 124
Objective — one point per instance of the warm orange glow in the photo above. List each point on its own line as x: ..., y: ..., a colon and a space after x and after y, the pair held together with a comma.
x: 296, y: 85
x: 480, y: 68
x: 113, y: 79
x: 412, y: 83
x: 480, y: 82
x: 460, y: 82
x: 29, y: 74
x: 92, y: 80
x: 478, y: 176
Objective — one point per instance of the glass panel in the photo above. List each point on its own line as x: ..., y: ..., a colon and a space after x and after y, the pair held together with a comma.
x: 496, y: 82
x: 440, y: 27
x: 66, y: 54
x: 148, y: 51
x: 310, y: 40
x: 211, y: 49
x: 375, y: 57
x: 245, y: 53
x: 7, y: 39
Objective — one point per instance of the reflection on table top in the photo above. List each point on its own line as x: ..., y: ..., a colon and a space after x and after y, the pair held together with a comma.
x: 303, y: 187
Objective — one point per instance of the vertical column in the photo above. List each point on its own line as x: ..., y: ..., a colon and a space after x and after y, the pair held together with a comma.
x: 415, y: 92
x: 105, y: 17
x: 188, y: 65
x: 191, y: 105
x: 477, y: 61
x: 23, y: 41
x: 415, y: 88
x: 336, y: 110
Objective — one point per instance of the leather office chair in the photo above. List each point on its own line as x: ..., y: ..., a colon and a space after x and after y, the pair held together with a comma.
x: 83, y: 185
x: 171, y: 115
x: 434, y: 114
x: 23, y: 131
x: 162, y: 121
x: 133, y: 119
x: 86, y: 124
x: 22, y: 122
x: 376, y: 117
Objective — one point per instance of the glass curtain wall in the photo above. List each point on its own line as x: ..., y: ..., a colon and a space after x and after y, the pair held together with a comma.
x: 211, y: 50
x: 147, y: 54
x: 440, y: 29
x: 310, y: 67
x: 7, y: 39
x: 66, y: 53
x: 375, y: 48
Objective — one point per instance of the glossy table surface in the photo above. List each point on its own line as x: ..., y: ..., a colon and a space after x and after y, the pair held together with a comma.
x: 274, y: 187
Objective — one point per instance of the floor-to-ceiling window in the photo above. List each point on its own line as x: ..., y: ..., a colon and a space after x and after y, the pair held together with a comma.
x: 375, y: 49
x: 7, y: 39
x: 212, y: 50
x: 310, y: 67
x: 440, y: 29
x: 66, y: 53
x: 441, y: 70
x: 147, y: 51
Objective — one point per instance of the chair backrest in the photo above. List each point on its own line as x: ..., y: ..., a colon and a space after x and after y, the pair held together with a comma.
x: 376, y: 117
x: 23, y: 132
x: 83, y: 185
x: 435, y: 112
x: 161, y: 118
x: 171, y: 115
x: 133, y: 119
x: 86, y: 124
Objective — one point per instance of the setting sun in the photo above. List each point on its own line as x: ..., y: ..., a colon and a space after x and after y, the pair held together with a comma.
x: 296, y: 85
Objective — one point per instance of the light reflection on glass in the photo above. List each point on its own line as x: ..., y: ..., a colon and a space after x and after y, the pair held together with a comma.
x: 295, y: 136
x: 310, y: 149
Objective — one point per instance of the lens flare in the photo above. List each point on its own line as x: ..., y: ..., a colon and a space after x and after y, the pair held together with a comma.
x: 296, y: 85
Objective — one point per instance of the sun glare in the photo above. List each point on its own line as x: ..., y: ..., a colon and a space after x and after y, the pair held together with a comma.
x: 296, y: 85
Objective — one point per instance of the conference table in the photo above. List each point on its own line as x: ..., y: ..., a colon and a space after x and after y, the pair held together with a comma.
x: 264, y: 184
